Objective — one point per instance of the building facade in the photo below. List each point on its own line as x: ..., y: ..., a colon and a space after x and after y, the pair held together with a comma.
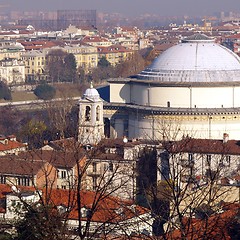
x: 12, y: 71
x: 115, y: 54
x: 190, y: 89
x: 35, y: 65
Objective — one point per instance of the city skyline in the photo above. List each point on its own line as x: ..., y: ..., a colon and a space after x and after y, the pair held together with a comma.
x: 129, y: 8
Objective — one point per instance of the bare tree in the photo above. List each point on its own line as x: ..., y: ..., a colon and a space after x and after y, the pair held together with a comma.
x: 55, y: 65
x: 86, y: 208
x: 59, y: 113
x: 190, y: 181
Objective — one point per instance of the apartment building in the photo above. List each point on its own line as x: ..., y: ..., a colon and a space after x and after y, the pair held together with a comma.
x: 75, y: 32
x: 118, y: 163
x: 86, y: 56
x: 35, y: 64
x: 17, y: 171
x: 12, y: 71
x: 10, y: 49
x: 100, y: 215
x: 10, y: 145
x: 96, y: 41
x: 197, y: 160
x: 233, y: 42
x: 65, y: 165
x: 115, y: 54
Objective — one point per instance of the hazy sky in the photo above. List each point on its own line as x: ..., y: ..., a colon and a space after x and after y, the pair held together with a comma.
x: 134, y: 7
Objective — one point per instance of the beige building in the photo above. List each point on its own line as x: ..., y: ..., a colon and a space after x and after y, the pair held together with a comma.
x: 198, y: 160
x: 12, y: 71
x: 128, y: 37
x: 11, y: 49
x: 115, y: 54
x: 96, y: 41
x: 17, y: 171
x: 74, y: 31
x: 35, y: 60
x: 35, y: 64
x: 10, y: 145
x: 86, y: 56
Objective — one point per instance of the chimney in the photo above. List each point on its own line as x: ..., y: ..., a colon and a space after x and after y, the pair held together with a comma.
x: 225, y: 138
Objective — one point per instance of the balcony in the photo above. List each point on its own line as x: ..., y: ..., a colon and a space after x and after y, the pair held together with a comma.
x: 93, y: 173
x: 186, y: 163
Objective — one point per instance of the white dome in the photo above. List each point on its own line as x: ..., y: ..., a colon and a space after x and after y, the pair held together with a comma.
x: 196, y: 59
x: 91, y: 93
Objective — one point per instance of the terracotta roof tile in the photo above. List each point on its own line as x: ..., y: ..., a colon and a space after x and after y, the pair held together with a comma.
x: 215, y: 227
x: 94, y: 39
x: 56, y: 158
x: 16, y: 166
x: 108, y: 208
x: 37, y: 45
x: 210, y: 146
x: 11, y: 145
x: 112, y: 49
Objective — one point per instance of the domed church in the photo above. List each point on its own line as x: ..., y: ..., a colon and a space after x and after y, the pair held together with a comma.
x: 191, y: 89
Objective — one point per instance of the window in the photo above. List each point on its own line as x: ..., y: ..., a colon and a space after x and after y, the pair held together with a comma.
x: 63, y: 174
x: 105, y: 167
x: 208, y: 161
x: 97, y: 113
x: 94, y: 164
x: 94, y: 183
x: 168, y: 104
x: 63, y: 187
x: 87, y: 114
x: 110, y: 167
x: 23, y: 181
x: 227, y: 160
x: 190, y: 157
x: 2, y: 179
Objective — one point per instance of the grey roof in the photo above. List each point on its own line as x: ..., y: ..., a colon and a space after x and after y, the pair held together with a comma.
x: 198, y: 37
x: 197, y: 59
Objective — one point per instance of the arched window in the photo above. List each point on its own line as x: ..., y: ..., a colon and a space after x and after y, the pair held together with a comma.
x: 88, y: 114
x: 97, y: 113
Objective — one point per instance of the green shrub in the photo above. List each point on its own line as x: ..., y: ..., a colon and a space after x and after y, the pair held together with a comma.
x: 5, y: 92
x: 45, y: 91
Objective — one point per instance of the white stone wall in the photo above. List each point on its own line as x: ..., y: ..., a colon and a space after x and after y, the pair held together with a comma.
x: 92, y: 131
x: 177, y: 97
x: 119, y: 93
x: 202, y: 127
x: 12, y: 72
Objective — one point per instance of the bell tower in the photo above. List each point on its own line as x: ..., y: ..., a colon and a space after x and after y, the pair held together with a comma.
x: 91, y: 125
